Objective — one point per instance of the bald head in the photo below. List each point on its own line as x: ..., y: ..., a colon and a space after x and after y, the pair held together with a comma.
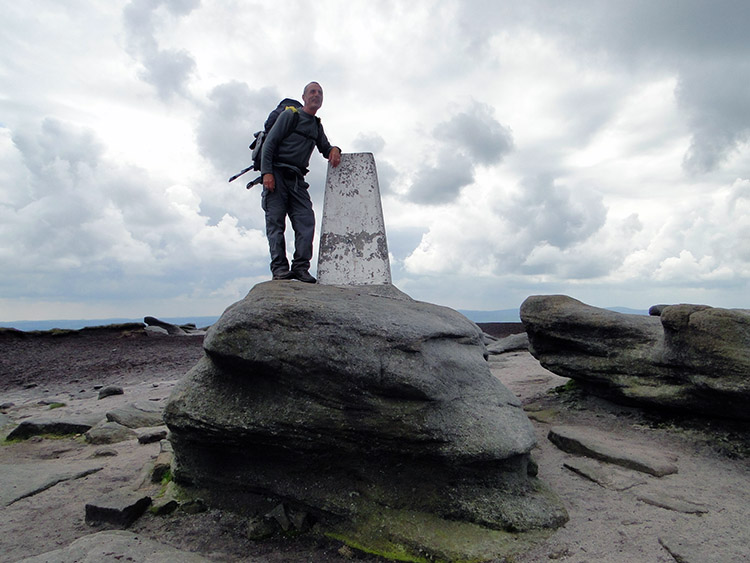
x: 304, y: 92
x: 312, y: 96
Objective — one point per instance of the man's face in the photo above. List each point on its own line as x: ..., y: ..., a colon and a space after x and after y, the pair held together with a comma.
x: 313, y: 96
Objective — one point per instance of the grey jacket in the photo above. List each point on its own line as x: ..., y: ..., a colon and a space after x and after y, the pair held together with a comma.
x: 293, y: 149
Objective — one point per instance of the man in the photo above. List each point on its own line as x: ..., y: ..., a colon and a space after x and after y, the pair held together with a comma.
x: 286, y: 155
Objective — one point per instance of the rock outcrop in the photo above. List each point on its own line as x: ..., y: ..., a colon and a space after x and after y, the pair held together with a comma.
x: 692, y: 358
x: 348, y: 400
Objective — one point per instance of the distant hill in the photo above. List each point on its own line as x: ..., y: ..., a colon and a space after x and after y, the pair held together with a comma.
x: 499, y: 316
x: 513, y: 315
x: 502, y: 316
x: 78, y: 324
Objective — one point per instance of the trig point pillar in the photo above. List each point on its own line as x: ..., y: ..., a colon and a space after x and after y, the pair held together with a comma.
x: 353, y: 247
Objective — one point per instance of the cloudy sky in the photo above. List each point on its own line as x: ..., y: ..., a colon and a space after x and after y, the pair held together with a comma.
x: 596, y: 149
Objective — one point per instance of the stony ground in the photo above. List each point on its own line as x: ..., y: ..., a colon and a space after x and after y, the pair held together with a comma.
x: 606, y: 524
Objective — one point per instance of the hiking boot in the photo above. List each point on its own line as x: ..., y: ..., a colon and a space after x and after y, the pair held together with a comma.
x: 304, y: 277
x: 283, y: 276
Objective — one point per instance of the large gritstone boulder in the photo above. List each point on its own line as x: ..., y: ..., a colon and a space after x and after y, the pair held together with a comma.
x: 692, y: 358
x: 353, y: 402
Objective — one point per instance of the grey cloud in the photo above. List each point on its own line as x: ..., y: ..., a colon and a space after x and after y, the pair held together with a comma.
x: 58, y: 141
x: 168, y: 70
x: 546, y: 212
x: 368, y: 142
x: 476, y: 134
x: 704, y: 43
x: 717, y: 100
x: 65, y: 222
x: 226, y: 125
x: 435, y: 185
x: 469, y: 138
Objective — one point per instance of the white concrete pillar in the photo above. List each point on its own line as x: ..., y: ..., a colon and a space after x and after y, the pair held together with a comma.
x: 353, y: 246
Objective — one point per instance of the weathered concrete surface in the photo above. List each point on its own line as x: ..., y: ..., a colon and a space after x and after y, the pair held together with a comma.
x: 606, y: 447
x: 114, y: 546
x: 353, y: 246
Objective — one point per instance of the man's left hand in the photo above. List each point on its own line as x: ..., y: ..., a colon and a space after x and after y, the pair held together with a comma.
x: 334, y: 157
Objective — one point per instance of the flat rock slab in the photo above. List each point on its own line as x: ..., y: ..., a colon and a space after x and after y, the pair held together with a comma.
x: 609, y: 448
x: 509, y: 344
x: 120, y: 508
x: 687, y: 548
x: 430, y: 538
x: 138, y: 415
x: 55, y: 426
x: 608, y: 477
x: 150, y: 435
x: 116, y: 546
x: 27, y: 479
x: 671, y: 502
x: 110, y: 390
x: 109, y: 433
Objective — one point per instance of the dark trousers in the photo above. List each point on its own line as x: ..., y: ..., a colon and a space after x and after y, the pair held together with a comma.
x: 289, y: 198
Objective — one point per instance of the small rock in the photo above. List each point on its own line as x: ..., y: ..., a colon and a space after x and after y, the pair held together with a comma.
x: 194, y: 506
x: 165, y: 508
x: 279, y: 514
x: 104, y: 452
x: 109, y: 433
x: 169, y: 328
x: 151, y: 435
x: 53, y: 401
x: 509, y: 343
x: 120, y: 508
x: 137, y: 415
x: 110, y: 390
x: 301, y: 521
x: 260, y: 528
x: 162, y: 466
x: 656, y: 310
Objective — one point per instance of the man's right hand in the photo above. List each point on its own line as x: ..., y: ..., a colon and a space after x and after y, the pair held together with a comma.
x: 268, y: 182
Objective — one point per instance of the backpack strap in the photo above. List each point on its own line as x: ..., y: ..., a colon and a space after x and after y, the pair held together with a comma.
x: 295, y: 121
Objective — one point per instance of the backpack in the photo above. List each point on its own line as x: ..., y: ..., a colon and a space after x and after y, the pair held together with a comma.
x: 260, y: 136
x: 257, y: 145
